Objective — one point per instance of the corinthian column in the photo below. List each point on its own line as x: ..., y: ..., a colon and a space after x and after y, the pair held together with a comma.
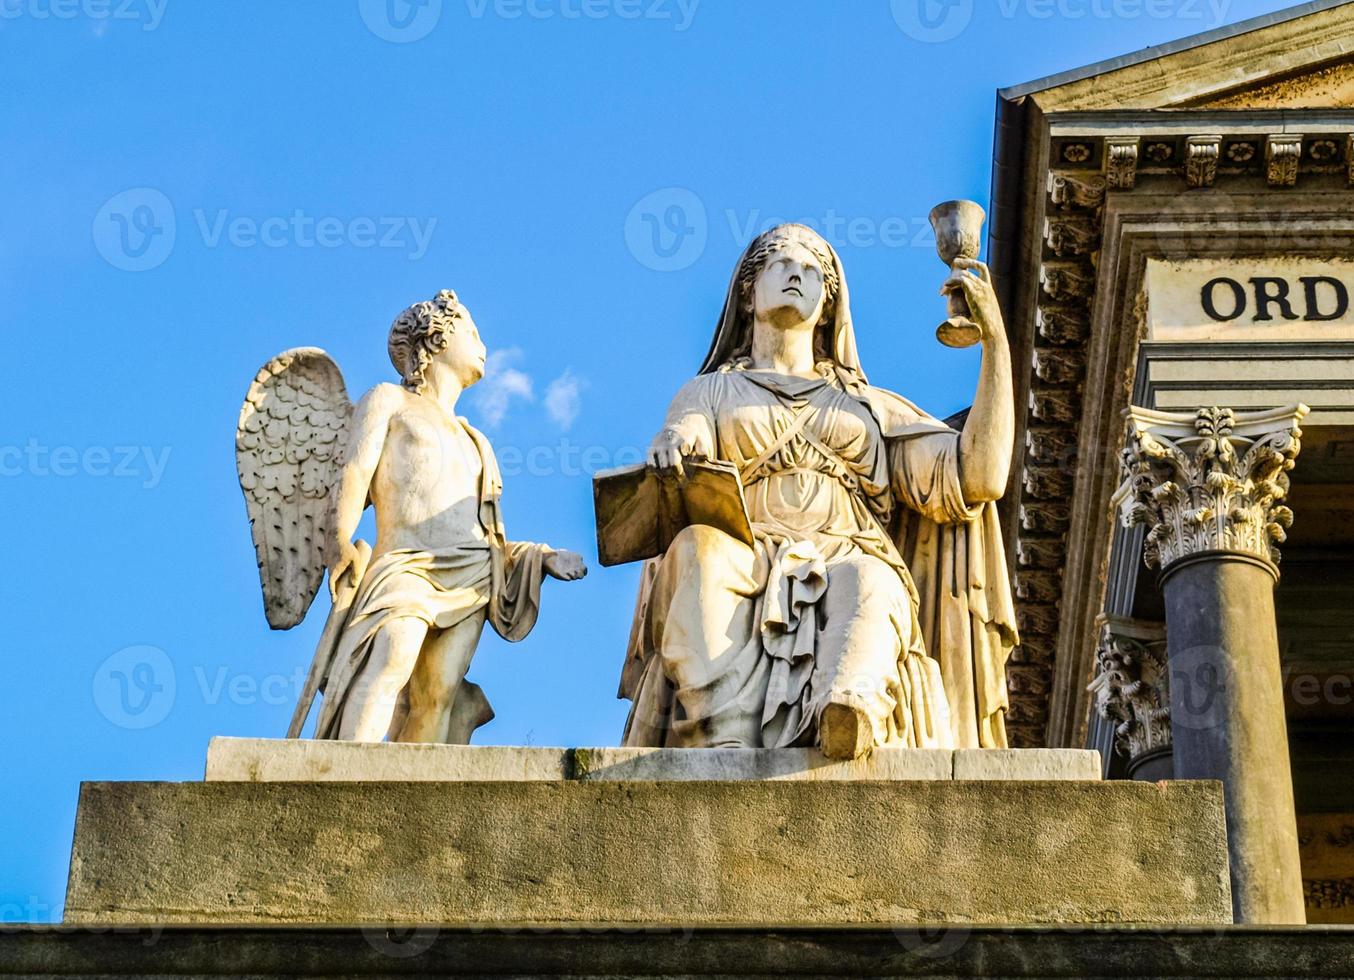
x: 1209, y: 487
x: 1132, y: 691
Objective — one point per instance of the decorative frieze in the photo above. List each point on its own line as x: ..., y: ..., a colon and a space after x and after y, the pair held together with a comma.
x: 1201, y: 160
x: 1070, y: 235
x: 1037, y: 586
x: 1045, y: 517
x: 1062, y: 325
x: 1067, y: 191
x: 1067, y: 281
x: 1132, y: 685
x: 1283, y: 154
x: 1058, y: 366
x: 1054, y: 404
x: 1212, y: 480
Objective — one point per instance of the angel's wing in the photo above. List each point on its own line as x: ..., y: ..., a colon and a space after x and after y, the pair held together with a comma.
x: 289, y: 449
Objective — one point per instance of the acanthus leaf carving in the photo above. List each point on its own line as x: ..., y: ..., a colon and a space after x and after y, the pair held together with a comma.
x: 1201, y: 160
x: 1213, y: 480
x: 1283, y: 153
x: 1121, y: 162
x: 1132, y: 685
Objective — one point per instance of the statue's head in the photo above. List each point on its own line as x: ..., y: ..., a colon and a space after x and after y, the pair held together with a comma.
x: 788, y: 278
x: 439, y: 330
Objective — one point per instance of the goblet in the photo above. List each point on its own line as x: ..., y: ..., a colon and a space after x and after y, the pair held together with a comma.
x: 959, y: 227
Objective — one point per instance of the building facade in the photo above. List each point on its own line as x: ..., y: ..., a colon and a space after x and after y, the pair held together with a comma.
x: 1174, y: 231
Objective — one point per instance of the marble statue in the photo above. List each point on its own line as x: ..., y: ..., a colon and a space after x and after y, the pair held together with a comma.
x: 874, y: 606
x: 408, y: 613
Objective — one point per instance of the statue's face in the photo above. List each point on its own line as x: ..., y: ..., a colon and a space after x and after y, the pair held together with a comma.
x: 465, y: 352
x: 789, y: 289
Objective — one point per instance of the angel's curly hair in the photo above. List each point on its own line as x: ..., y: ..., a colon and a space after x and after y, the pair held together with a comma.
x: 776, y: 240
x: 419, y: 333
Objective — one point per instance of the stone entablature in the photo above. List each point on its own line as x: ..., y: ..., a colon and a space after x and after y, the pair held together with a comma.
x: 1092, y: 165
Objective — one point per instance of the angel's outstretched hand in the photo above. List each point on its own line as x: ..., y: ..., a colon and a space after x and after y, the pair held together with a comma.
x: 567, y: 566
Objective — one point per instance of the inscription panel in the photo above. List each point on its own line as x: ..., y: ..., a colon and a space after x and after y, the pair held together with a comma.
x: 1283, y: 298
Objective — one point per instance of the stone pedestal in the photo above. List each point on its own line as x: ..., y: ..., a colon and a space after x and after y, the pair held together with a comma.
x: 308, y: 760
x: 1209, y: 486
x: 652, y: 854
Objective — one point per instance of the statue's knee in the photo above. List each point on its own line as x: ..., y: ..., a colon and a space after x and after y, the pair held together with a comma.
x: 870, y: 579
x: 694, y: 542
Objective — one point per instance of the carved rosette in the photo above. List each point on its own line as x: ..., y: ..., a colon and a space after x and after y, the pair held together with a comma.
x: 1132, y: 685
x: 1212, y: 480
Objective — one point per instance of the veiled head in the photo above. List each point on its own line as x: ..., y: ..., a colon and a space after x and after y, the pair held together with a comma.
x: 788, y: 278
x: 440, y: 329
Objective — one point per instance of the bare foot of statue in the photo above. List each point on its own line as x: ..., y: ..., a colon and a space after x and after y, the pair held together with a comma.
x: 844, y: 732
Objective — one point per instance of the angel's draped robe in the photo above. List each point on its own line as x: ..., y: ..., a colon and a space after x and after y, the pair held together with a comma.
x: 872, y: 582
x: 485, y: 576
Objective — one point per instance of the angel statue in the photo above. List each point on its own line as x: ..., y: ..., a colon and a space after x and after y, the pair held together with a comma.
x: 873, y: 605
x: 406, y: 615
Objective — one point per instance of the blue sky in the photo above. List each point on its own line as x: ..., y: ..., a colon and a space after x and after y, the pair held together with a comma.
x: 192, y: 187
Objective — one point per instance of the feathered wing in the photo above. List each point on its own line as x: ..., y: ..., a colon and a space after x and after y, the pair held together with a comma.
x: 289, y: 449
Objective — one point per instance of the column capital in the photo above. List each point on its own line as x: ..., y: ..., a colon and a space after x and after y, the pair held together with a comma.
x: 1132, y: 686
x: 1209, y: 481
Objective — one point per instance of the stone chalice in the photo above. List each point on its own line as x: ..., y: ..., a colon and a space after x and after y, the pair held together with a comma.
x: 958, y: 227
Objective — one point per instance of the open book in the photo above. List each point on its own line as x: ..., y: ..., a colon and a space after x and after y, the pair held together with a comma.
x: 640, y: 511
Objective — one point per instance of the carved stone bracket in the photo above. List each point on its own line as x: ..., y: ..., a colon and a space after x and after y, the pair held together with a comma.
x: 1212, y: 480
x: 1283, y: 153
x: 1201, y: 160
x: 1132, y: 685
x: 1121, y: 162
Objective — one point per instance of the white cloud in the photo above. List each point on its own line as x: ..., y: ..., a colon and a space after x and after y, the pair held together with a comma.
x: 562, y: 399
x: 502, y: 384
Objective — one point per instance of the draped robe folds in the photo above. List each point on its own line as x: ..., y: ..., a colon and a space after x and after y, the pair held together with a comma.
x: 487, y: 576
x: 871, y: 582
